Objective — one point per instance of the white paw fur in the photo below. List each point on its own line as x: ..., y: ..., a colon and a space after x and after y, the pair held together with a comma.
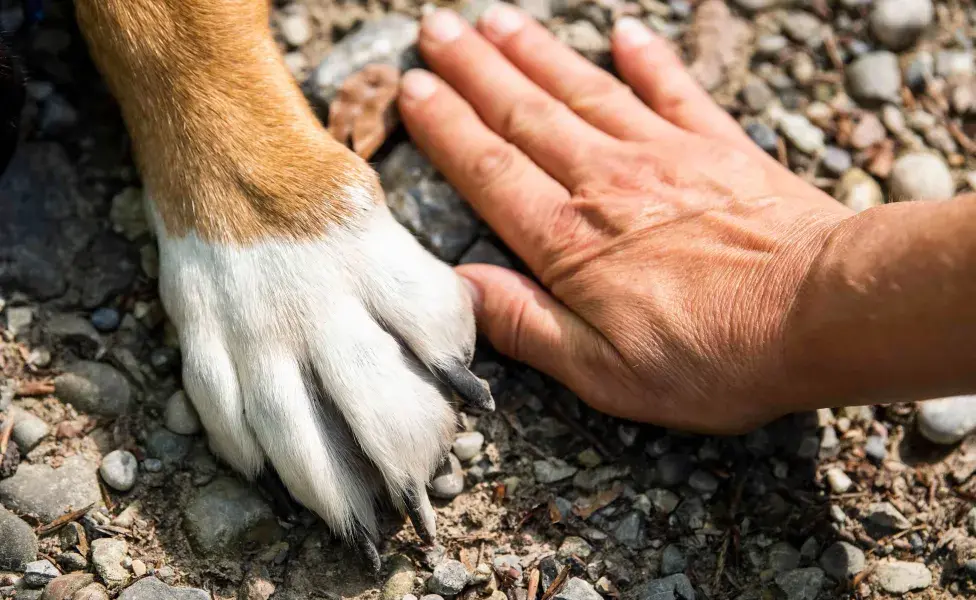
x: 316, y: 357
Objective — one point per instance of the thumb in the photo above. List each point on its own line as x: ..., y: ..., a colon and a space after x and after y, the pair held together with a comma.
x: 524, y: 322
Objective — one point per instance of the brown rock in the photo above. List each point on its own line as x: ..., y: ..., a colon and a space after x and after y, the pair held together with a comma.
x: 95, y: 591
x: 65, y: 586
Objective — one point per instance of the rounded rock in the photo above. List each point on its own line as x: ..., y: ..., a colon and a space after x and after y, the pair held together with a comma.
x: 842, y: 561
x: 468, y: 445
x: 180, y: 416
x: 947, y: 420
x: 106, y: 319
x: 119, y: 470
x: 900, y: 577
x: 838, y: 480
x: 448, y: 482
x: 18, y: 544
x: 920, y: 176
x: 875, y: 77
x: 448, y: 579
x: 898, y: 23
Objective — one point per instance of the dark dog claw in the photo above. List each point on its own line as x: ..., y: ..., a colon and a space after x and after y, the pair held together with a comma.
x: 421, y: 513
x: 367, y: 549
x: 473, y: 391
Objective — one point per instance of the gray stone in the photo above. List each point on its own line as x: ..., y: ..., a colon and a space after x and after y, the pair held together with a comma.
x: 771, y: 45
x: 783, y: 557
x: 858, y: 191
x: 448, y: 579
x: 900, y: 577
x: 388, y: 40
x: 921, y: 176
x: 842, y: 561
x: 673, y: 587
x: 40, y: 573
x: 540, y: 10
x: 585, y: 38
x: 577, y: 589
x: 574, y: 546
x: 169, y: 447
x: 105, y: 319
x: 49, y: 493
x: 763, y: 136
x: 947, y: 420
x: 898, y: 23
x: 119, y: 470
x: 19, y: 319
x: 225, y: 513
x: 883, y: 518
x: 597, y: 479
x: 128, y: 214
x: 673, y: 560
x: 75, y: 332
x: 757, y: 95
x: 673, y: 469
x: 954, y: 63
x: 484, y: 252
x: 875, y: 77
x: 56, y: 115
x: 400, y: 581
x: 427, y: 205
x: 107, y: 555
x: 28, y: 429
x: 629, y: 530
x: 448, y: 481
x: 294, y: 24
x: 801, y: 584
x: 150, y: 588
x: 703, y: 482
x: 180, y: 416
x: 663, y: 501
x: 72, y: 561
x: 468, y: 445
x: 874, y: 448
x: 803, y: 27
x: 691, y: 513
x: 18, y: 544
x: 94, y: 387
x: 838, y: 480
x: 111, y: 267
x: 804, y: 135
x: 552, y: 470
x: 836, y: 160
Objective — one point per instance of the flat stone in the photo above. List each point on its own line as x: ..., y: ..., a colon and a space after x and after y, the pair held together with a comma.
x: 900, y: 577
x: 449, y: 578
x: 65, y: 586
x: 947, y: 420
x: 95, y: 388
x: 18, y: 544
x: 898, y: 23
x: 804, y: 135
x: 96, y: 591
x: 552, y: 470
x: 783, y: 557
x: 883, y: 518
x: 225, y: 513
x: 574, y: 546
x: 400, y: 581
x: 673, y: 560
x: 29, y: 430
x: 842, y: 561
x: 577, y: 589
x: 151, y: 588
x: 597, y: 479
x: 801, y: 584
x: 107, y: 556
x: 19, y: 319
x: 663, y: 501
x: 180, y: 416
x: 49, y: 493
x: 875, y: 77
x: 673, y: 587
x: 39, y: 573
x: 629, y: 530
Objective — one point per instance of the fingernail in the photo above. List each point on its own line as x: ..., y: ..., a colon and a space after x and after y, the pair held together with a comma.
x: 628, y: 32
x: 418, y: 84
x: 474, y: 291
x: 442, y: 25
x: 502, y: 19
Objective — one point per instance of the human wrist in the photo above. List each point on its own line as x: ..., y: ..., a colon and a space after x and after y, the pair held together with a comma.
x: 884, y: 311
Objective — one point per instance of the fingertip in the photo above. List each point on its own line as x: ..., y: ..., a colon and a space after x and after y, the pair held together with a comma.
x: 417, y: 85
x: 501, y: 21
x: 441, y: 26
x: 629, y: 33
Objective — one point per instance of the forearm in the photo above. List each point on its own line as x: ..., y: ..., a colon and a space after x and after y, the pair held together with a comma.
x: 889, y: 310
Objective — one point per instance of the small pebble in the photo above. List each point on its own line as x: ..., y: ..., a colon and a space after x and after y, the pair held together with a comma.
x: 663, y: 501
x: 119, y: 470
x: 673, y: 469
x: 838, y: 480
x: 577, y: 589
x: 763, y: 136
x: 28, y: 430
x: 180, y: 416
x: 39, y: 573
x: 954, y: 63
x: 105, y: 319
x: 672, y: 560
x: 801, y: 584
x: 803, y: 27
x: 703, y: 482
x: 164, y: 360
x: 449, y: 578
x: 574, y: 546
x: 887, y: 518
x: 875, y: 77
x: 552, y: 470
x: 448, y: 482
x: 947, y: 420
x: 295, y: 26
x: 72, y: 561
x: 901, y: 577
x: 468, y: 445
x: 858, y: 191
x: 898, y: 23
x: 875, y: 448
x: 842, y: 561
x: 153, y: 465
x: 836, y: 161
x: 807, y: 137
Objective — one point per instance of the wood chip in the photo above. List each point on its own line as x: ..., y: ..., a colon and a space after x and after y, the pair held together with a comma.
x: 961, y: 138
x: 601, y: 500
x: 362, y: 114
x: 8, y: 427
x: 557, y: 584
x: 63, y: 520
x: 35, y: 388
x: 533, y: 585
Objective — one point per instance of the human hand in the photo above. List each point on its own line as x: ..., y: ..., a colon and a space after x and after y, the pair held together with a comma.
x: 669, y: 247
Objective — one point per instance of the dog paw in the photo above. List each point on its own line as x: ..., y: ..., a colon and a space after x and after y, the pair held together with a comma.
x: 332, y: 360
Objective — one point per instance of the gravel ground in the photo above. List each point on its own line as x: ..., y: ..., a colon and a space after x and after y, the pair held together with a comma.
x: 107, y: 487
